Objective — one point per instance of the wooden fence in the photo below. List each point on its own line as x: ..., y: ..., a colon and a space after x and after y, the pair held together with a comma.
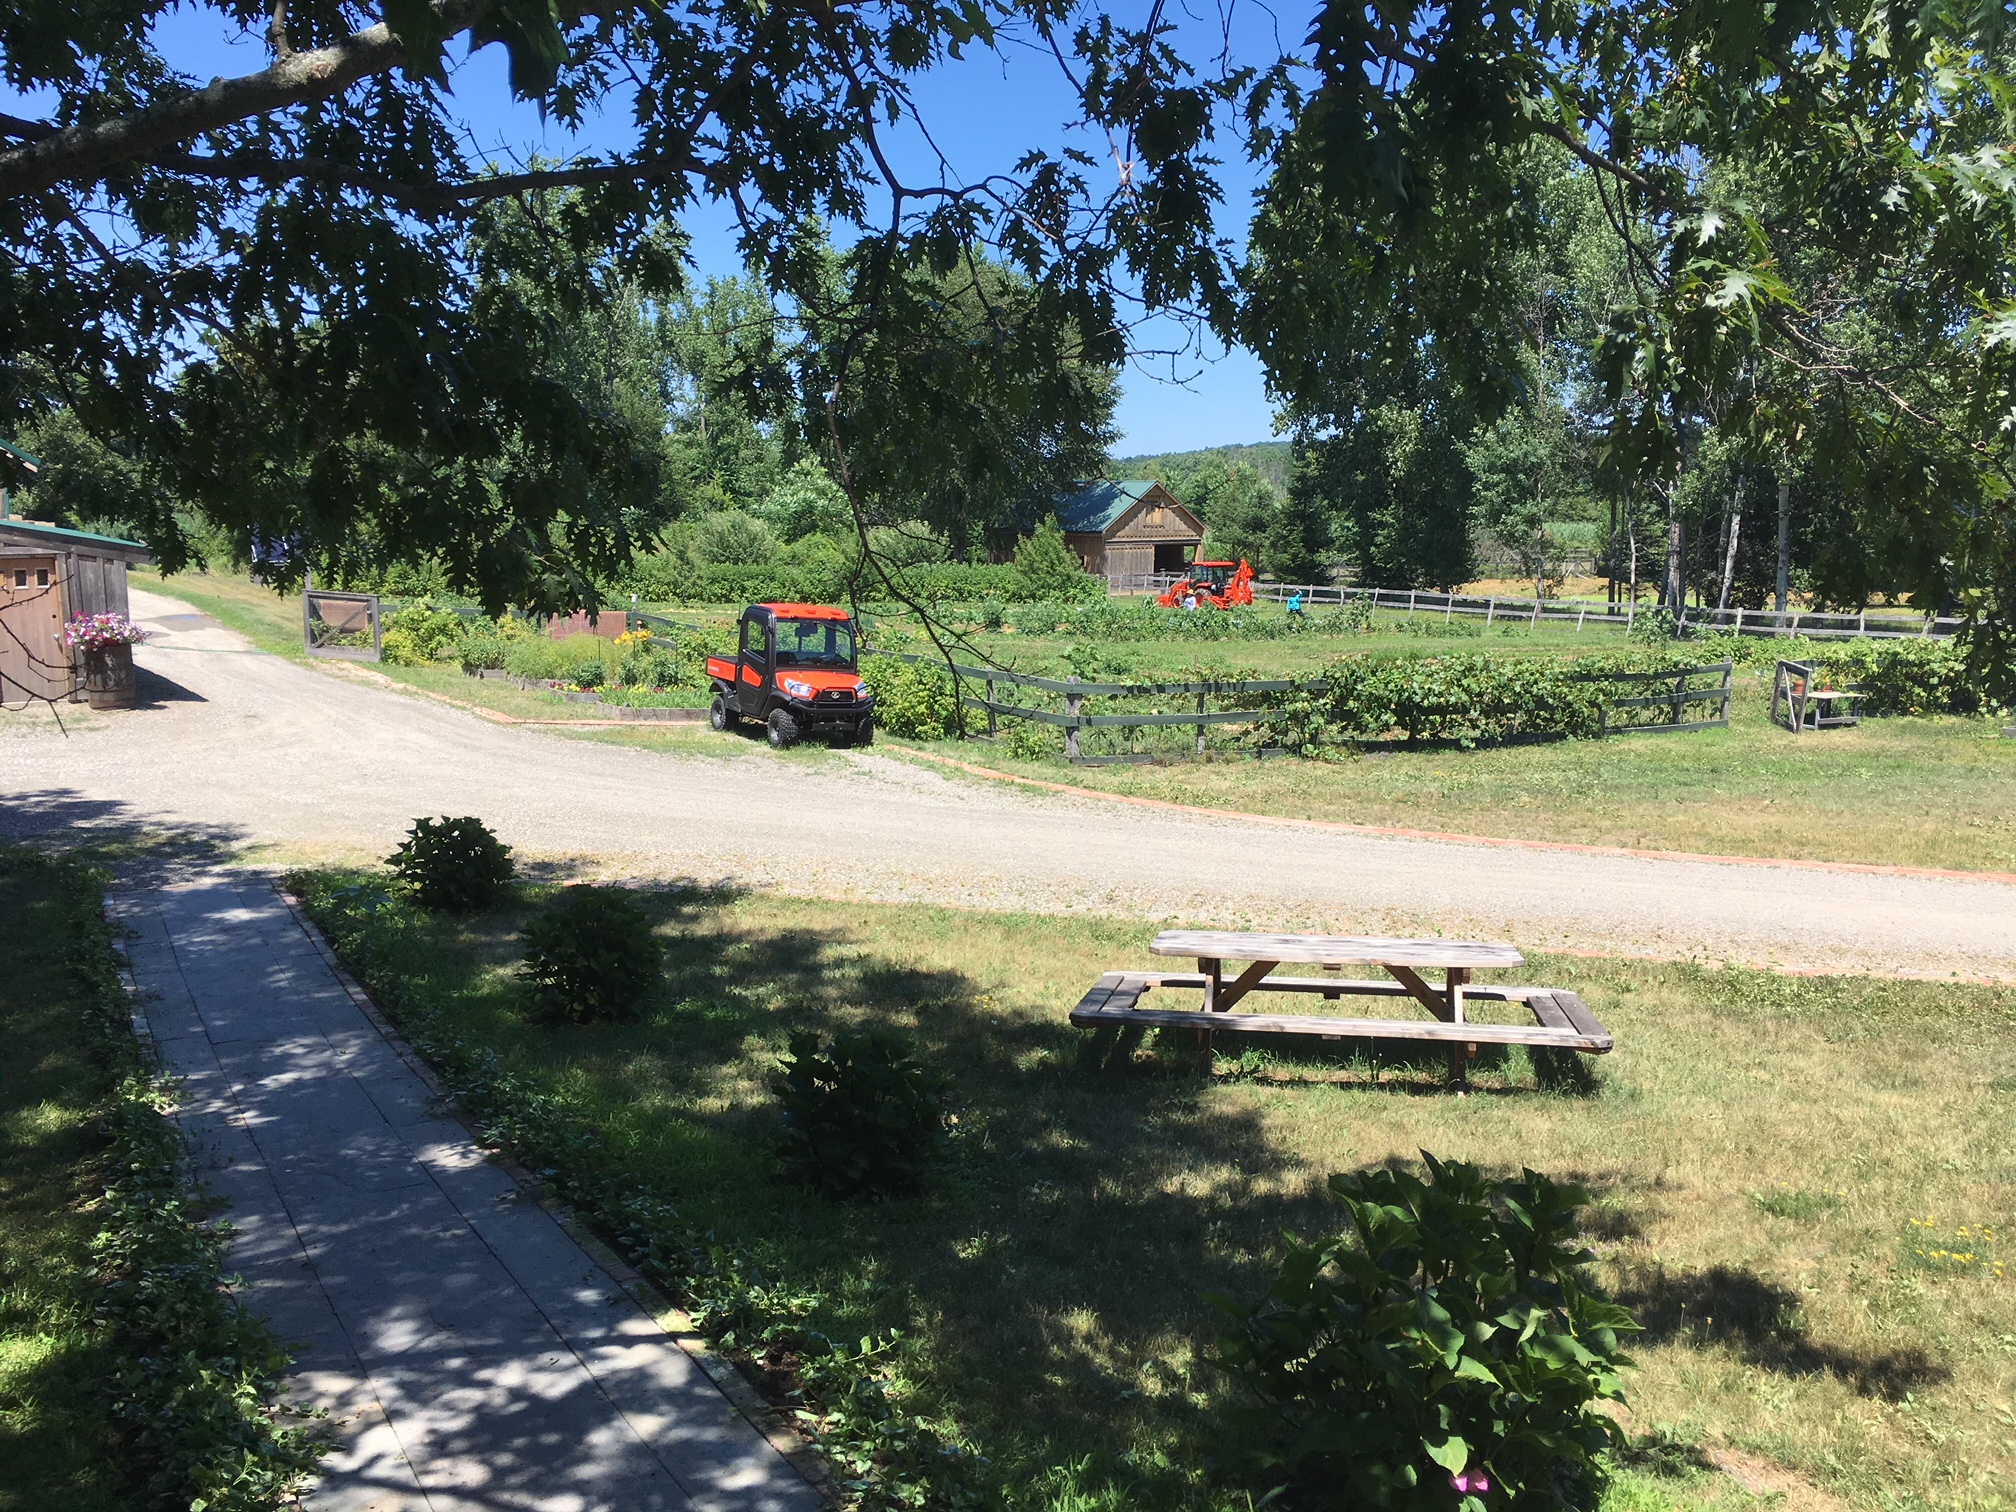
x: 1500, y: 608
x: 1679, y: 698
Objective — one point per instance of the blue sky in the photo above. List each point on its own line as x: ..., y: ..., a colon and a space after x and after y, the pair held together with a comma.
x: 983, y: 113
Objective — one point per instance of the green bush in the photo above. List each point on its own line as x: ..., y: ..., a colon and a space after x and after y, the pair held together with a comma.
x: 650, y: 667
x: 1652, y: 627
x: 912, y: 699
x: 1468, y: 700
x: 861, y: 1116
x: 536, y: 658
x: 591, y: 956
x: 1905, y: 676
x: 1050, y: 569
x: 1449, y: 1349
x: 422, y: 633
x: 453, y: 865
x: 590, y: 674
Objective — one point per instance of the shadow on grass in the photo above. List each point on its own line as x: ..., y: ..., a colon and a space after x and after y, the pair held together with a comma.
x: 1759, y: 1320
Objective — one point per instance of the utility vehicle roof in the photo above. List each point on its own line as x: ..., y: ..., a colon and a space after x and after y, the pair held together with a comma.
x: 803, y: 611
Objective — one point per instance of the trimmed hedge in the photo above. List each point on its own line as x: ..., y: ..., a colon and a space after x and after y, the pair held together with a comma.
x: 1467, y: 700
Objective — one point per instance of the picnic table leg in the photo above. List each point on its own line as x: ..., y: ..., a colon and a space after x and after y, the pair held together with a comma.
x: 1459, y: 1054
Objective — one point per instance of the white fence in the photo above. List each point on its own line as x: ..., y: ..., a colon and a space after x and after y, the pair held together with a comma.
x: 1886, y: 624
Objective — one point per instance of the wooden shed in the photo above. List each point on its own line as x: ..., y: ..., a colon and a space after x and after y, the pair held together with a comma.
x: 48, y: 574
x: 1129, y: 528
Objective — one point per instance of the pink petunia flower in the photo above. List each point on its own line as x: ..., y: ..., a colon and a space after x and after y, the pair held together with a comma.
x: 1470, y: 1482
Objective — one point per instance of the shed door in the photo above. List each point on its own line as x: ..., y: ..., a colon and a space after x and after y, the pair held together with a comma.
x: 33, y: 662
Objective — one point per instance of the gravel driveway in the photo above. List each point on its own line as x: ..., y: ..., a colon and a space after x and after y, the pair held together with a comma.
x: 251, y: 748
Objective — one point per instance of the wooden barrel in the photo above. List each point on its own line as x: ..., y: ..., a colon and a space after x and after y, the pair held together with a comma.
x: 108, y: 677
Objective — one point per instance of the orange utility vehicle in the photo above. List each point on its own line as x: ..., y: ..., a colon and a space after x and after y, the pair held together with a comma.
x: 794, y: 669
x: 1216, y: 585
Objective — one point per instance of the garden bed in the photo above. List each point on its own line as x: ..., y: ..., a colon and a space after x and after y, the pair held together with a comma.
x: 1766, y: 1153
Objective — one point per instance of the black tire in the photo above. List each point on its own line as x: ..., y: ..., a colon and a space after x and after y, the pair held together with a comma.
x: 783, y: 730
x: 720, y: 715
x: 864, y: 732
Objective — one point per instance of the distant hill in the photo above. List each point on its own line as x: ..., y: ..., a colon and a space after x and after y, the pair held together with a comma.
x: 1267, y: 458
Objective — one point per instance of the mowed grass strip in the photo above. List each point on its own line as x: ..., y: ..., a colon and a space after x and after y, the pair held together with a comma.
x: 58, y: 1448
x: 1765, y: 1152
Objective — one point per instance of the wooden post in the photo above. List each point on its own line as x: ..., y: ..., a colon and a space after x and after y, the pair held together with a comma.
x: 1200, y: 727
x: 991, y: 727
x: 1211, y: 970
x: 1072, y: 703
x: 1490, y: 611
x: 1581, y: 617
x: 1536, y: 613
x: 1680, y: 698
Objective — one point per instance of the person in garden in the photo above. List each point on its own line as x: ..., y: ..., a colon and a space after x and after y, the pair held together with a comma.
x: 1295, y: 606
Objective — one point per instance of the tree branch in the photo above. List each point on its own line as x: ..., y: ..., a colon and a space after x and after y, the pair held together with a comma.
x: 91, y: 150
x: 1596, y: 160
x: 428, y: 198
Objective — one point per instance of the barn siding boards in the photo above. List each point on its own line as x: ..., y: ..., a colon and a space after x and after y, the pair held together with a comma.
x: 87, y: 575
x: 1115, y: 527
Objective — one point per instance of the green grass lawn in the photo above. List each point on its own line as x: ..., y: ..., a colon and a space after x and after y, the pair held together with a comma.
x: 58, y: 1445
x: 1762, y: 1150
x: 1913, y: 792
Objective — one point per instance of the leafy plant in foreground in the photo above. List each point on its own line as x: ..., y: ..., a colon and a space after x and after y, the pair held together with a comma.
x: 591, y: 956
x: 1448, y: 1348
x: 452, y: 865
x: 861, y: 1117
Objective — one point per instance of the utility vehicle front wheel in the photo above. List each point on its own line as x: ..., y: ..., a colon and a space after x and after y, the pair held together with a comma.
x: 783, y: 730
x: 864, y: 732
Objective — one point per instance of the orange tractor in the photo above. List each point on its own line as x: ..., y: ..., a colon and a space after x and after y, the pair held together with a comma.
x: 1214, y: 585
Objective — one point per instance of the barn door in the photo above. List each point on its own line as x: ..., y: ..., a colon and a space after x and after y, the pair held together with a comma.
x: 33, y: 661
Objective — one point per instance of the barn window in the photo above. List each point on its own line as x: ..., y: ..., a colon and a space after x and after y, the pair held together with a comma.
x: 41, y: 577
x: 1169, y: 556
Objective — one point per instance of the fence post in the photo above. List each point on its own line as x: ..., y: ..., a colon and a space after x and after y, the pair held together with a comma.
x: 1410, y: 602
x: 1536, y: 613
x: 1679, y: 698
x: 991, y: 729
x: 1200, y: 727
x: 1490, y: 611
x: 1583, y: 615
x: 1072, y: 703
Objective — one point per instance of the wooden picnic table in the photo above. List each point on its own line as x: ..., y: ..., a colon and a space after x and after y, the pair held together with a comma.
x: 1561, y: 1020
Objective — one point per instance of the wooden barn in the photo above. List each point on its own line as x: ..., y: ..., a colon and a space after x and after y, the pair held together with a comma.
x: 1129, y: 528
x: 48, y: 574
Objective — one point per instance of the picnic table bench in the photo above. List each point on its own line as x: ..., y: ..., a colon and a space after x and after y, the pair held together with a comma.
x: 1561, y: 1020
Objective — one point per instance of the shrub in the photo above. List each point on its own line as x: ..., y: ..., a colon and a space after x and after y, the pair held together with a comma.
x: 1653, y: 627
x: 488, y: 643
x: 650, y: 667
x: 1905, y: 676
x: 536, y: 657
x: 420, y: 634
x: 1449, y: 1346
x: 452, y: 865
x: 912, y: 699
x: 1050, y: 569
x: 591, y: 956
x: 1465, y: 699
x: 861, y: 1117
x: 590, y: 674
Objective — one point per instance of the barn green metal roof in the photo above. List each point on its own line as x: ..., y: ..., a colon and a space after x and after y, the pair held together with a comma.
x: 1094, y: 509
x: 58, y: 533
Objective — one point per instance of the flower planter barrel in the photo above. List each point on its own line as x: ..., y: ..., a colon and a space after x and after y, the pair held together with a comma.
x: 108, y: 677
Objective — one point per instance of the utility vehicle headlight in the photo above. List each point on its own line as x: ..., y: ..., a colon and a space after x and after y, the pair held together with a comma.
x: 796, y: 688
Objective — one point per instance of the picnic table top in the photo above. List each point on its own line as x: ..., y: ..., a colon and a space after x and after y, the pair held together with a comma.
x: 1335, y: 950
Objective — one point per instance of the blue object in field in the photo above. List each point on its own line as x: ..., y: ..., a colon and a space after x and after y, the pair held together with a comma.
x: 1294, y: 603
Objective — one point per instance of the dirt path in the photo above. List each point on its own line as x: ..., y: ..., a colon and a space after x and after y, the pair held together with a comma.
x: 252, y: 748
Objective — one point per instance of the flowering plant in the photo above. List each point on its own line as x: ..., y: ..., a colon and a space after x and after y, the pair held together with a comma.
x: 94, y: 632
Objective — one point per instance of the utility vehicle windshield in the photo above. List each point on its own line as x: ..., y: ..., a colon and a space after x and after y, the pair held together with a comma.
x: 814, y: 643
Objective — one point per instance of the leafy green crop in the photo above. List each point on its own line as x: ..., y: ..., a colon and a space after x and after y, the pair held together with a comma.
x: 1448, y: 1349
x: 591, y: 956
x: 452, y: 865
x: 912, y: 699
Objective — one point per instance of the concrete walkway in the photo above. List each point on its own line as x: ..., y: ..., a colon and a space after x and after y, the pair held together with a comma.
x: 471, y: 1355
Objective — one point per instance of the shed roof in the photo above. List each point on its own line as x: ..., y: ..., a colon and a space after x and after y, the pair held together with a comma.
x: 1097, y: 507
x: 31, y: 533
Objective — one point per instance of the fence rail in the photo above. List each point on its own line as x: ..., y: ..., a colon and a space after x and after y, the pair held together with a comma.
x: 1073, y: 718
x: 1509, y: 609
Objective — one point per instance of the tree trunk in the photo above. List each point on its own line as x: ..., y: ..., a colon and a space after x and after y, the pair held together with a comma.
x: 1735, y: 535
x: 1673, y: 590
x: 1784, y: 541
